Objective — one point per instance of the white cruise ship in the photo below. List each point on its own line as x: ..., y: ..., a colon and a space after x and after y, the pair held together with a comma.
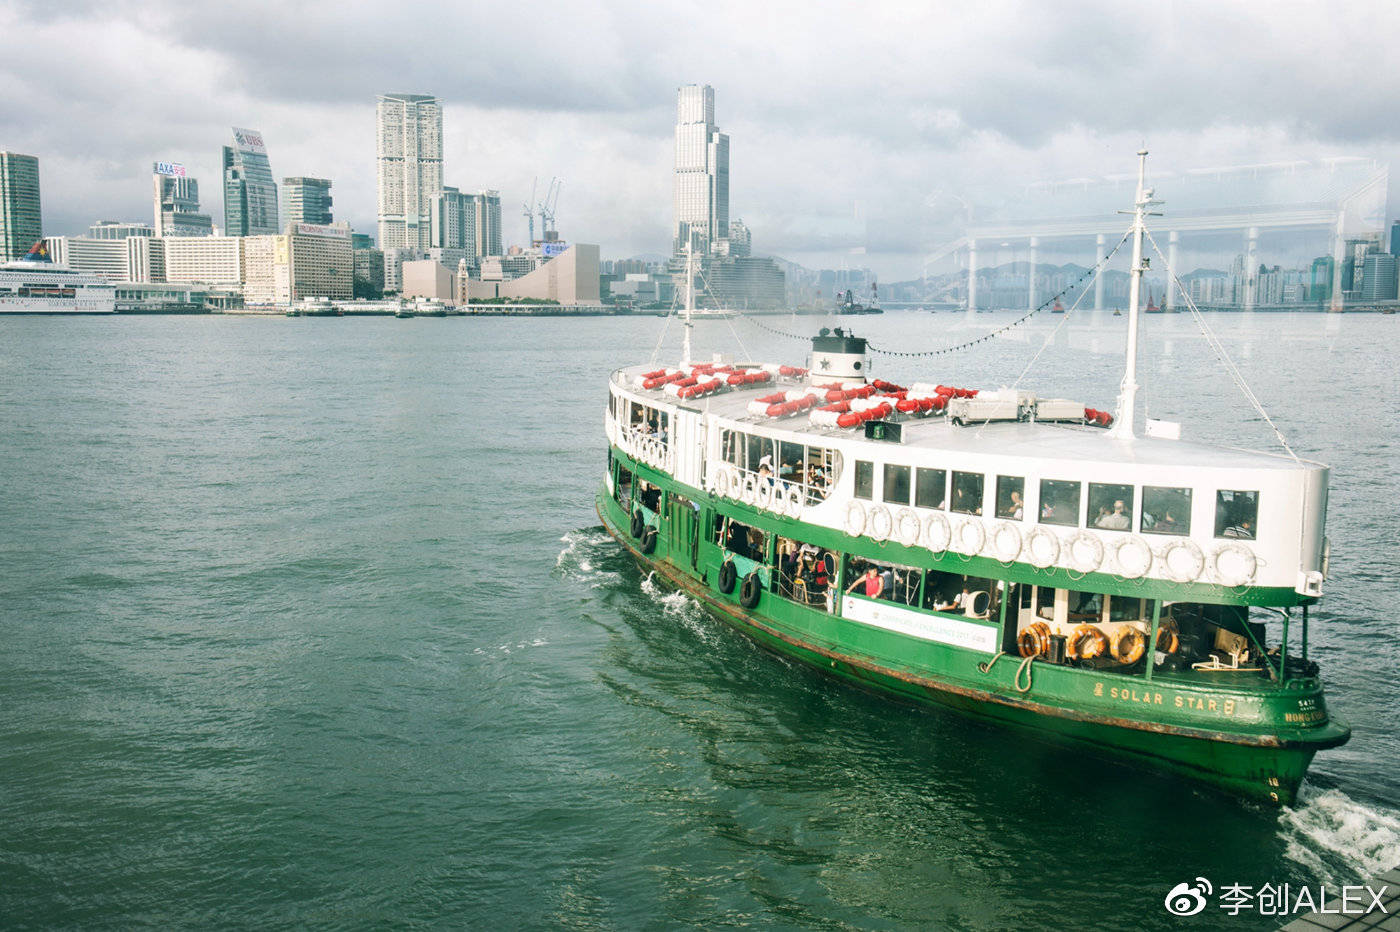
x: 34, y: 285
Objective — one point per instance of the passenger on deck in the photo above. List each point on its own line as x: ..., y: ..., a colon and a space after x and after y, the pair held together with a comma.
x: 871, y: 581
x: 1116, y: 520
x: 1243, y: 531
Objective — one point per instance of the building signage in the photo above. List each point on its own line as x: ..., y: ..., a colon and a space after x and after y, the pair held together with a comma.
x: 969, y: 634
x: 249, y: 140
x: 316, y: 229
x: 553, y: 249
x: 169, y: 168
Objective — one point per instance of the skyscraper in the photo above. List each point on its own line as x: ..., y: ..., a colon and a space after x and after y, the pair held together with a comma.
x: 308, y: 200
x: 250, y: 194
x: 487, y: 207
x: 702, y: 172
x: 409, y: 155
x: 177, y: 202
x: 20, y: 222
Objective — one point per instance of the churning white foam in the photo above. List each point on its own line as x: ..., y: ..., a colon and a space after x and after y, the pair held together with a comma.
x: 1336, y: 837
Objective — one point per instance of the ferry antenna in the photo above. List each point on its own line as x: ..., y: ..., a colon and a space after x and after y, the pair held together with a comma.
x: 1124, y: 424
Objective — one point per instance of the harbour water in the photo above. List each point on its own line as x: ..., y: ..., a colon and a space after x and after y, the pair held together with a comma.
x: 308, y: 622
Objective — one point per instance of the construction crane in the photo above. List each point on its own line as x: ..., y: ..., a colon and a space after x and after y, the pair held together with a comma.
x: 530, y: 209
x: 551, y: 200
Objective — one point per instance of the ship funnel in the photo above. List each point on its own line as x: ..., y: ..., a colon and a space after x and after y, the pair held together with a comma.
x: 837, y: 354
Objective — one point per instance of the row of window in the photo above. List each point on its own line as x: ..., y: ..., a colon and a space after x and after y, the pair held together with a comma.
x: 1111, y: 506
x: 815, y: 469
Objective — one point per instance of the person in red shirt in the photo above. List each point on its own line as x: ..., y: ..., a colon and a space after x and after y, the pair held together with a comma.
x: 874, y: 585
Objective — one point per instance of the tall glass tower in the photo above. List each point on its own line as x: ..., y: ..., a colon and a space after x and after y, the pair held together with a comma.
x: 250, y: 193
x: 20, y: 225
x: 409, y: 157
x: 702, y: 172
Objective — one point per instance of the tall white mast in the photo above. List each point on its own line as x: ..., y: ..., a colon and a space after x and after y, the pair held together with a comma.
x: 689, y: 304
x: 1124, y: 424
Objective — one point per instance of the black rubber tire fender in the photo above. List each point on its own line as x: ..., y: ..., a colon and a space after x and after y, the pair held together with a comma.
x: 751, y: 590
x: 638, y: 523
x: 649, y: 540
x: 728, y: 575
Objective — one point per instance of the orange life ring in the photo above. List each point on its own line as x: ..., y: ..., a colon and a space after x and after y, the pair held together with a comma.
x: 1034, y: 640
x: 1167, y: 640
x: 1128, y: 644
x: 1097, y: 642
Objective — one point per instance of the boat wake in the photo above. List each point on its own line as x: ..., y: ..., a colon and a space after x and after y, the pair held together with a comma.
x: 678, y: 605
x: 585, y: 551
x: 1340, y: 840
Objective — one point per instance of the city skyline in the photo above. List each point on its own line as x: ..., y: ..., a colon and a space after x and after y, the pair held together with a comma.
x: 838, y: 167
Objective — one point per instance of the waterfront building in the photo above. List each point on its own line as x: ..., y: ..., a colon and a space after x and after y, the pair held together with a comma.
x: 486, y: 206
x: 176, y: 205
x: 409, y: 168
x: 209, y: 260
x: 448, y: 219
x: 428, y: 278
x: 1378, y: 277
x: 701, y: 193
x: 393, y: 266
x: 250, y: 193
x: 307, y: 200
x: 21, y: 222
x: 740, y: 240
x: 569, y: 278
x: 368, y: 281
x: 361, y: 241
x: 114, y: 229
x: 132, y: 259
x: 308, y: 261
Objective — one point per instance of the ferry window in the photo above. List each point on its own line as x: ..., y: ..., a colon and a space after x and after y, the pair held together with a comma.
x: 1085, y: 606
x: 623, y: 489
x: 896, y: 489
x: 865, y: 480
x: 759, y: 447
x: 822, y: 470
x: 649, y: 495
x: 967, y: 493
x: 740, y: 539
x: 1236, y: 514
x: 1011, y: 502
x: 1123, y: 608
x: 731, y: 447
x: 790, y: 459
x: 1166, y: 510
x: 1111, y: 506
x: 1059, y: 502
x: 806, y: 574
x: 930, y: 487
x: 891, y: 582
x: 959, y: 595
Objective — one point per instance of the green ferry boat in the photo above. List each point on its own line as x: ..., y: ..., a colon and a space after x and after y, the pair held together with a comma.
x: 1025, y: 561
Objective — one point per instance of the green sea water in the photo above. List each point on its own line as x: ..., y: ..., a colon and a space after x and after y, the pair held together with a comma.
x: 309, y: 623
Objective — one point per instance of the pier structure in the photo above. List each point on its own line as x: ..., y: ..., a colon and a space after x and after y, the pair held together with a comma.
x: 1344, y: 199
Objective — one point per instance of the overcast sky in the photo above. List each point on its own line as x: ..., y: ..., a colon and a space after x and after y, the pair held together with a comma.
x: 853, y: 127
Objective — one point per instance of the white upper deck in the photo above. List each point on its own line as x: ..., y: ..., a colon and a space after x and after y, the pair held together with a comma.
x: 1086, y: 498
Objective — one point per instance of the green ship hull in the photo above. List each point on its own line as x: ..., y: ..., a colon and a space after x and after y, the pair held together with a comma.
x: 1254, y: 739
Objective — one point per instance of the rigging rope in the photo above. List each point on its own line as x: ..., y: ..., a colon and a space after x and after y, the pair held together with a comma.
x: 1219, y: 348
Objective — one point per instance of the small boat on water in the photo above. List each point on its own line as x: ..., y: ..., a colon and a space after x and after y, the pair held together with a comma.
x: 848, y: 305
x: 1026, y: 561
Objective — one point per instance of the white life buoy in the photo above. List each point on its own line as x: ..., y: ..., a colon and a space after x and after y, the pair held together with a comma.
x: 1194, y: 560
x: 855, y: 518
x: 938, y: 534
x: 971, y: 536
x: 719, y: 482
x: 1006, y: 541
x: 1042, y: 547
x: 764, y: 493
x: 881, y: 523
x: 1234, y: 564
x: 1133, y: 557
x: 1085, y: 552
x: 750, y: 490
x: 792, y: 498
x: 907, y: 527
x: 735, y: 484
